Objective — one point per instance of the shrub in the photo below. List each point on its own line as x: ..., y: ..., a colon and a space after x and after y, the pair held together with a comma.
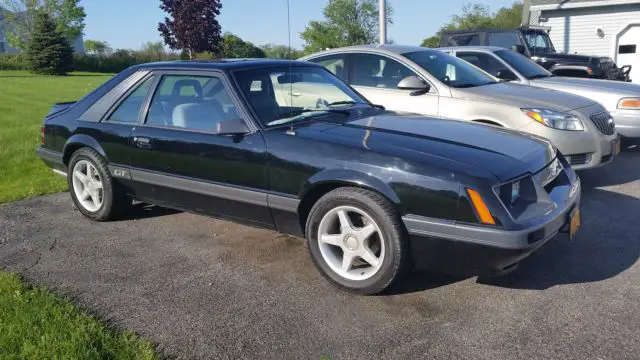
x: 13, y: 62
x: 49, y: 51
x: 118, y: 61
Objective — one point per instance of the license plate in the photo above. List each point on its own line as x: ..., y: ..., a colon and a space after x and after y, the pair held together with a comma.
x: 574, y: 224
x: 616, y: 147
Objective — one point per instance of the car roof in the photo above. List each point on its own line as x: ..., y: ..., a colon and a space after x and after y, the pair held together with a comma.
x: 387, y: 48
x: 472, y: 48
x: 223, y: 64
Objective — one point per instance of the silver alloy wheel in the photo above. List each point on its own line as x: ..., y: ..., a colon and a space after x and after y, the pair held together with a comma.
x: 87, y: 186
x: 353, y: 251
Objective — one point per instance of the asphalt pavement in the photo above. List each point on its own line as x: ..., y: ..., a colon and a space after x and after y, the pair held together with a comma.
x: 206, y: 288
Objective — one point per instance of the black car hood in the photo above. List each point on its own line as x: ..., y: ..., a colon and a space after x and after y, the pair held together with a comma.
x: 568, y: 58
x: 503, y: 153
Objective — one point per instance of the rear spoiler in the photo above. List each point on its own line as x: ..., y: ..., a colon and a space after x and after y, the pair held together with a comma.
x: 59, y: 107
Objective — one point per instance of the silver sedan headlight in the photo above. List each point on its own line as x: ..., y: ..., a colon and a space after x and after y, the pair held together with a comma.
x: 555, y: 119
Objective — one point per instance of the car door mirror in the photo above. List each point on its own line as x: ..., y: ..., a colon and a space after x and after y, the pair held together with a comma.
x: 232, y: 127
x: 414, y: 83
x: 506, y: 74
x: 519, y: 49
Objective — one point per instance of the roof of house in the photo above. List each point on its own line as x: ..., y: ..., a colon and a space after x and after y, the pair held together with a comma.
x: 558, y: 2
x: 566, y: 4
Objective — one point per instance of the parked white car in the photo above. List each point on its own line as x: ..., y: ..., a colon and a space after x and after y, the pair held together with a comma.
x: 621, y: 99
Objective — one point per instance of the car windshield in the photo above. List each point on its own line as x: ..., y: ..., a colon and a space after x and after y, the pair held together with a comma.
x: 538, y: 42
x: 284, y: 95
x: 525, y: 66
x: 449, y: 69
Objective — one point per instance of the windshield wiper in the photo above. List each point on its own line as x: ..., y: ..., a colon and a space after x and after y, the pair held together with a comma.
x: 538, y: 76
x: 295, y: 115
x: 351, y: 102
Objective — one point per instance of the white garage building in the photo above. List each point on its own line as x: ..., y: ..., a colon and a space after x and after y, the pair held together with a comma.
x: 593, y: 27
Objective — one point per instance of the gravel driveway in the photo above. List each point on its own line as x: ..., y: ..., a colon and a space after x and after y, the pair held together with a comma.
x: 205, y: 288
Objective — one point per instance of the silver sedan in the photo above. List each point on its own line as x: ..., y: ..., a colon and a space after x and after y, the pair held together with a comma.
x: 431, y: 82
x: 621, y: 99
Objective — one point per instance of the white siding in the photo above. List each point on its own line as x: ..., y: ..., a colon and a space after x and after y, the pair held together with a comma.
x: 574, y: 30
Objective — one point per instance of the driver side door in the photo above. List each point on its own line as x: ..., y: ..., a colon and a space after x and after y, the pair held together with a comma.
x: 377, y: 77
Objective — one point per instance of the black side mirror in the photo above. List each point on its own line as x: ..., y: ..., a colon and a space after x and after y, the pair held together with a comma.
x: 414, y: 83
x: 519, y: 49
x: 232, y: 127
x: 506, y: 74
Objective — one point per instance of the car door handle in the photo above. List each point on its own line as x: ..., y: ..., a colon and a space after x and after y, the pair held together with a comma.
x: 142, y: 142
x: 295, y: 93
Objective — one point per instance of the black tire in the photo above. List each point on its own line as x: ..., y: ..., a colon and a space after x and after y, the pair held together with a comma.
x: 397, y: 258
x: 115, y: 202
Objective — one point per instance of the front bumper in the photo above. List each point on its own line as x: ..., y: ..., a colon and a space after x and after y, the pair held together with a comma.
x: 469, y: 250
x: 595, y: 148
x: 627, y: 123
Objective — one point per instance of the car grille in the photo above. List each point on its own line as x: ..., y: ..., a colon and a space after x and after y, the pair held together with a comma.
x: 578, y: 159
x: 604, y: 122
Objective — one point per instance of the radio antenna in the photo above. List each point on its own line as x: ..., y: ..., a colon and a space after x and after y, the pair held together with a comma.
x: 291, y: 132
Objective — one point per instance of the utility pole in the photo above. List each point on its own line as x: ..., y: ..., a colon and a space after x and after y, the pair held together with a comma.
x: 526, y: 7
x: 383, y: 22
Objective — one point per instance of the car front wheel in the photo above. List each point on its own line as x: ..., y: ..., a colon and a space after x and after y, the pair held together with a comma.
x: 357, y: 241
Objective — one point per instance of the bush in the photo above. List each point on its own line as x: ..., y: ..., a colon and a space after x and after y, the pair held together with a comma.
x: 13, y: 62
x: 49, y: 51
x: 118, y: 61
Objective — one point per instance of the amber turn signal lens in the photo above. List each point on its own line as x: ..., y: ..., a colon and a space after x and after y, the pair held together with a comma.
x: 481, y: 208
x: 629, y: 104
x: 535, y: 116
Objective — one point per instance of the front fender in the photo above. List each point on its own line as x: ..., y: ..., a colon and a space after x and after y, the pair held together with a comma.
x: 81, y: 140
x: 350, y: 177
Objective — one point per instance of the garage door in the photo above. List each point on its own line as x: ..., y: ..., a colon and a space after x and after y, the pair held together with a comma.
x: 629, y: 51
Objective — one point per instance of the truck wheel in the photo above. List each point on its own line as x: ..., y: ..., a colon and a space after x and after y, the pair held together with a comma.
x: 92, y: 188
x: 357, y: 240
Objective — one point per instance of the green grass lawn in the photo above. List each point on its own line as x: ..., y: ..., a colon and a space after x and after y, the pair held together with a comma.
x: 24, y: 101
x: 36, y: 324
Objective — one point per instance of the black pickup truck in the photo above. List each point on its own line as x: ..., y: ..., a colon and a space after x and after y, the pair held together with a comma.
x: 536, y: 44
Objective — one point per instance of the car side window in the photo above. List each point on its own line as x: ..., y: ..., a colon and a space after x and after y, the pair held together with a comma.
x: 334, y: 63
x: 503, y: 39
x: 191, y: 102
x: 485, y: 62
x: 377, y: 71
x: 129, y: 109
x: 464, y: 40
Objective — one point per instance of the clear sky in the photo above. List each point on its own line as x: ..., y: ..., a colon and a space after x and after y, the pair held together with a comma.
x: 130, y: 23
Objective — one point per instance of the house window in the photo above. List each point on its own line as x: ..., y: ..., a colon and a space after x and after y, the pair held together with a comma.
x: 626, y: 49
x: 2, y: 49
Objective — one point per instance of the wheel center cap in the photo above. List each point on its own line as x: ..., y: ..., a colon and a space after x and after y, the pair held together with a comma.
x: 350, y: 242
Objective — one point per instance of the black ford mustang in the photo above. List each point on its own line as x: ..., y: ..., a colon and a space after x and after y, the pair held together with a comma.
x: 288, y: 146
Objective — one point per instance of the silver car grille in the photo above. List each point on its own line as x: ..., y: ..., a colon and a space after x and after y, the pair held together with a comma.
x: 604, y: 122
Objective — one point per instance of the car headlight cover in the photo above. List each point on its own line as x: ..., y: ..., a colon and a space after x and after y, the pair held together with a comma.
x: 629, y: 104
x: 555, y: 119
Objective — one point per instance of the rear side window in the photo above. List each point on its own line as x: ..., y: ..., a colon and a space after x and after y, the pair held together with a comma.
x: 191, y: 102
x: 503, y: 39
x: 129, y: 109
x: 464, y: 40
x: 336, y: 64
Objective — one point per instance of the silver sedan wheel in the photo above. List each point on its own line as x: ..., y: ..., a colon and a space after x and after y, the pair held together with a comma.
x: 87, y: 186
x: 351, y: 243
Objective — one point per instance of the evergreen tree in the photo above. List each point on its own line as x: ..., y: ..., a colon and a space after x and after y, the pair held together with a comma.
x: 48, y: 51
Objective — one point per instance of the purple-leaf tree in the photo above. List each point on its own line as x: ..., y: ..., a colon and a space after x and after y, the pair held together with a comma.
x: 191, y: 25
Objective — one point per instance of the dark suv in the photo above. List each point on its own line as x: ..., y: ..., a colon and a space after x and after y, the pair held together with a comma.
x: 536, y: 44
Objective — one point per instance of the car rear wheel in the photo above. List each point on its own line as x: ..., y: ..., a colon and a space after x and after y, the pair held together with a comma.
x: 357, y: 240
x: 92, y: 188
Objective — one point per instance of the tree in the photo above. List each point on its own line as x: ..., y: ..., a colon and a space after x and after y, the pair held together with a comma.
x: 96, y: 47
x: 48, y: 51
x: 346, y: 22
x: 281, y: 52
x: 479, y: 16
x: 20, y: 17
x: 234, y: 47
x: 153, y: 48
x: 193, y: 25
